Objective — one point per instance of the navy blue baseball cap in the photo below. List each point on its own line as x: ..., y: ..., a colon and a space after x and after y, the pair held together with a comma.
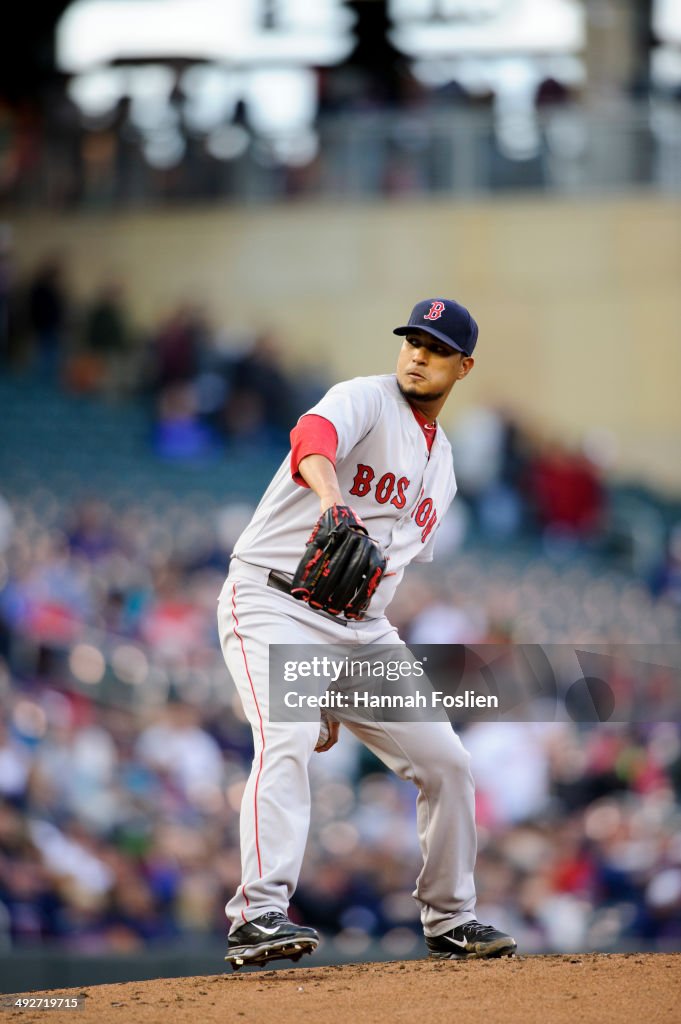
x: 445, y: 320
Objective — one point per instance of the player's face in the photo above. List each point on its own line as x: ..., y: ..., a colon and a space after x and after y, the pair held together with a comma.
x: 427, y: 369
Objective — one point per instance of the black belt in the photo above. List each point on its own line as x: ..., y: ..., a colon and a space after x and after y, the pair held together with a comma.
x: 278, y: 582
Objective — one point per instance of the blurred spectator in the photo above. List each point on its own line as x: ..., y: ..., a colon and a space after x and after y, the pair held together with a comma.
x: 5, y: 287
x: 63, y: 126
x: 179, y: 432
x: 479, y: 442
x: 447, y: 619
x: 177, y: 347
x: 108, y: 339
x: 171, y: 623
x: 90, y: 532
x: 6, y: 524
x: 666, y: 579
x: 509, y: 797
x: 178, y: 746
x: 47, y: 310
x: 491, y: 452
x: 15, y: 765
x: 261, y: 404
x: 565, y: 491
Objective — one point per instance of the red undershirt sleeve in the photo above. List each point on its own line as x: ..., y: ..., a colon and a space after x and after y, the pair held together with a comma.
x: 312, y: 435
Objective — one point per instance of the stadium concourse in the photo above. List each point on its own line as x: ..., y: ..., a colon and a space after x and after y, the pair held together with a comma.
x: 123, y: 754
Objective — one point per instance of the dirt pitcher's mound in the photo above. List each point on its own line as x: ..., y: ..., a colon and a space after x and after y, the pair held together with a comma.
x: 580, y: 988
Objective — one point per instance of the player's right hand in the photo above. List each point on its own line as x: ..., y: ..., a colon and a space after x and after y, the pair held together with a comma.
x: 332, y: 728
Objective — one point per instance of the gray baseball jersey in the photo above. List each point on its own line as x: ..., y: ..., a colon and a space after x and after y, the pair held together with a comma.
x: 400, y: 490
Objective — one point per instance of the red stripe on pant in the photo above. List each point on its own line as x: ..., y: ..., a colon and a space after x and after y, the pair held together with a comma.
x: 262, y: 745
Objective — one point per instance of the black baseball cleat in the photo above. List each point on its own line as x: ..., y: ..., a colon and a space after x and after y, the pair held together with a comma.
x: 470, y: 941
x: 270, y: 937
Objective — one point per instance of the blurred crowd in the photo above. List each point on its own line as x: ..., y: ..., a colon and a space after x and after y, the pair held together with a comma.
x: 373, y: 136
x: 207, y: 387
x: 118, y: 831
x: 213, y: 389
x: 124, y: 753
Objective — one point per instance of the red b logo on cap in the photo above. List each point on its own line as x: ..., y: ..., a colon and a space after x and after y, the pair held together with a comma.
x: 435, y: 312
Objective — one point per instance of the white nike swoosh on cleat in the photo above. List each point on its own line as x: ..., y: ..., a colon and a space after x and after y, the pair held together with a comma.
x: 457, y: 942
x: 266, y: 931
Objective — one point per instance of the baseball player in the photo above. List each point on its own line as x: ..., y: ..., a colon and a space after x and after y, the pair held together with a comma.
x: 372, y: 459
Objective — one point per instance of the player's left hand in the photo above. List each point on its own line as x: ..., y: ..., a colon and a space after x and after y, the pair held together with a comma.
x: 341, y: 566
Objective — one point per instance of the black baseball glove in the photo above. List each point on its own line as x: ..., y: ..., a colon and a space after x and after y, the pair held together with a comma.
x: 341, y: 566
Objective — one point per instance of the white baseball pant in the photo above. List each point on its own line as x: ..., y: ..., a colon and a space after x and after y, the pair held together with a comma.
x: 275, y: 811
